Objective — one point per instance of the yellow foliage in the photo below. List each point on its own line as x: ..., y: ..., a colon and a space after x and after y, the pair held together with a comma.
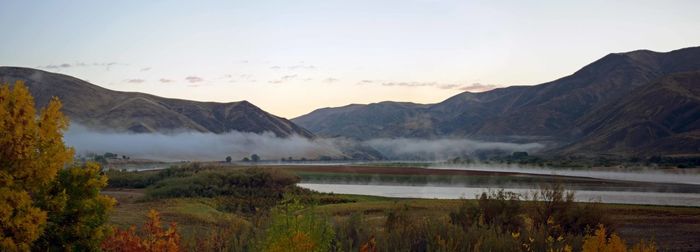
x: 32, y: 153
x: 600, y: 243
x: 644, y: 246
x: 155, y: 238
x: 299, y: 242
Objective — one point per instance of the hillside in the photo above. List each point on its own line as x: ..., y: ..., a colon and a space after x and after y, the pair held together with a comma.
x: 549, y: 112
x: 101, y: 108
x: 661, y: 118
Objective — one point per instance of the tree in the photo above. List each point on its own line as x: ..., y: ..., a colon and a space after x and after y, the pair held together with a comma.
x: 228, y: 159
x: 31, y: 155
x: 77, y: 213
x: 255, y: 157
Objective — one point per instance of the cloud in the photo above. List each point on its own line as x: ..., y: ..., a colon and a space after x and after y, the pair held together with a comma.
x: 275, y: 67
x: 409, y: 84
x: 136, y: 81
x: 145, y: 69
x: 59, y: 66
x: 245, y: 76
x: 449, y: 86
x: 330, y: 80
x: 478, y: 87
x: 197, y: 145
x: 193, y: 79
x: 107, y: 65
x: 302, y: 67
x: 283, y: 79
x: 163, y: 80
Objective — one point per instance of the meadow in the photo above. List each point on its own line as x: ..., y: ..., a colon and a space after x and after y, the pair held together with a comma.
x: 245, y: 208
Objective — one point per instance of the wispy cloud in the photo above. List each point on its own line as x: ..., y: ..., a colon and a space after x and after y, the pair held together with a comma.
x: 59, y: 66
x: 409, y: 84
x: 164, y: 80
x: 283, y: 79
x: 477, y: 87
x: 145, y: 69
x: 302, y: 67
x: 448, y: 86
x: 275, y: 67
x: 193, y: 79
x: 136, y: 81
x: 107, y: 65
x: 330, y: 80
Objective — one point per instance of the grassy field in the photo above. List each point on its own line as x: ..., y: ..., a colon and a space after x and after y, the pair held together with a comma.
x: 673, y: 228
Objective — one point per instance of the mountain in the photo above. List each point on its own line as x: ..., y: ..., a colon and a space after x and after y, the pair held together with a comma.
x: 101, y: 108
x: 385, y: 119
x: 659, y: 119
x: 550, y: 112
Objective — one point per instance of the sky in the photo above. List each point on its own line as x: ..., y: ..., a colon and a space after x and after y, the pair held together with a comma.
x: 291, y: 57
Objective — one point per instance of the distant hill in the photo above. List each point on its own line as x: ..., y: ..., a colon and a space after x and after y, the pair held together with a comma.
x: 560, y: 111
x: 659, y: 119
x: 101, y: 108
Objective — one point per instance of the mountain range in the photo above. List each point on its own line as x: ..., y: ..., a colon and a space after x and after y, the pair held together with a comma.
x: 640, y: 103
x: 635, y: 103
x: 100, y: 108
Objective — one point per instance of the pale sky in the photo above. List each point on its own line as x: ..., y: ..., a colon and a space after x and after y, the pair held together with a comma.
x: 291, y: 57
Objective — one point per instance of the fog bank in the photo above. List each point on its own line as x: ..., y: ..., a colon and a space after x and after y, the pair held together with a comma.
x: 197, y: 145
x: 209, y: 146
x: 440, y: 149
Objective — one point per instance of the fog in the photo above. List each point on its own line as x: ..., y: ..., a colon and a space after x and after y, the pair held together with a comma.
x: 441, y: 149
x: 654, y: 175
x: 196, y: 145
x: 209, y: 146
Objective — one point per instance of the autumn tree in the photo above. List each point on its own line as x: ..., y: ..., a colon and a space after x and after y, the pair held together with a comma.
x: 77, y: 212
x: 31, y: 155
x: 43, y: 204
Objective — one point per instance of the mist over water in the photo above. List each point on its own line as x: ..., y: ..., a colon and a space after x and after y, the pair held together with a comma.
x: 197, y: 145
x: 441, y: 149
x: 687, y: 176
x: 187, y: 145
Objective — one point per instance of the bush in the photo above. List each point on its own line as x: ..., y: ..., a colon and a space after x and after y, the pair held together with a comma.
x: 294, y: 228
x: 153, y: 238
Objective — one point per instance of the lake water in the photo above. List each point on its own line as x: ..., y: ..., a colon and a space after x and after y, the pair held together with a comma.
x: 449, y: 192
x: 686, y: 182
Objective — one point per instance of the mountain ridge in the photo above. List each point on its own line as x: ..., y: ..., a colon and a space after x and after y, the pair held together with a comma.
x: 548, y: 112
x: 102, y: 108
